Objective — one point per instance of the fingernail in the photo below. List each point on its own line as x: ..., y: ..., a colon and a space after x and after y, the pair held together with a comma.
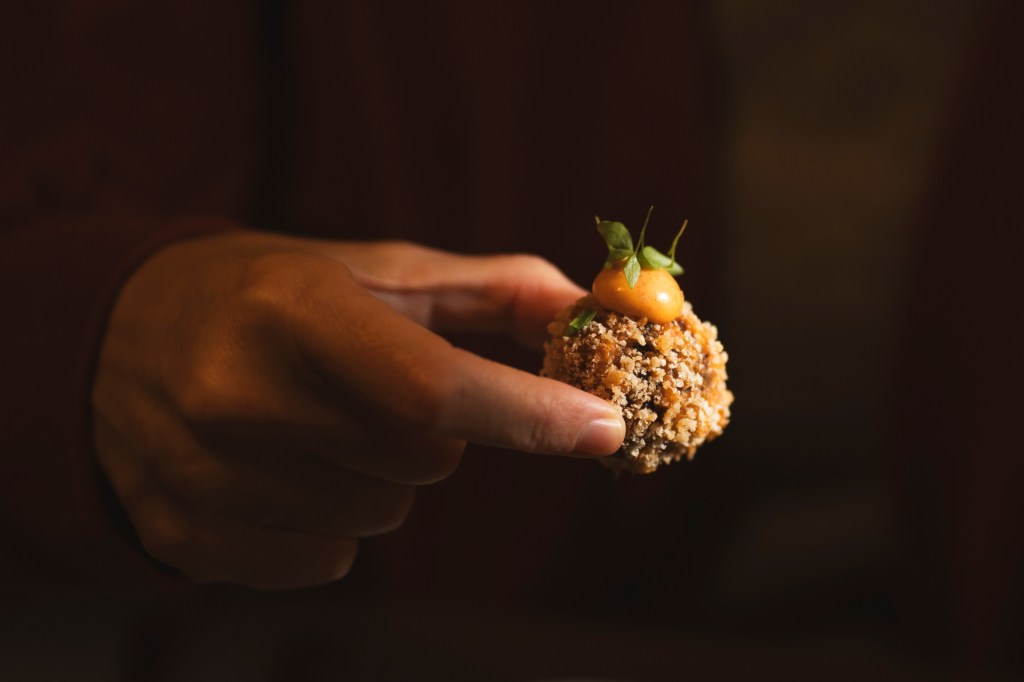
x: 601, y: 436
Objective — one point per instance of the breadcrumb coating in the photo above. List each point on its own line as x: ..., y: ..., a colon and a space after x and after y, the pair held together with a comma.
x: 668, y: 379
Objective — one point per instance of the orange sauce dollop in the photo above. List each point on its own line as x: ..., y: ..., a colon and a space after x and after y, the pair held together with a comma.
x: 655, y: 296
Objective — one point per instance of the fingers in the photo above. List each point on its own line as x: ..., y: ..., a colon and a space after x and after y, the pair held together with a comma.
x: 265, y: 483
x: 518, y: 294
x: 281, y: 520
x: 287, y: 490
x: 211, y: 550
x: 401, y: 369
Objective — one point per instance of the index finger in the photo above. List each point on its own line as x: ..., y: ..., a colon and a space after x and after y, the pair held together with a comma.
x: 515, y: 293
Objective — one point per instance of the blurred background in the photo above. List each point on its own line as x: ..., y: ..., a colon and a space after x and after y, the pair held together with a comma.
x: 848, y: 171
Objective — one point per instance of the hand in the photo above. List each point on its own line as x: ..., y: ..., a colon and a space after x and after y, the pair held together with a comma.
x: 261, y: 401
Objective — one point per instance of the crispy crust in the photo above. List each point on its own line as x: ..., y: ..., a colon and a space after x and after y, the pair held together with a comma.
x: 668, y: 379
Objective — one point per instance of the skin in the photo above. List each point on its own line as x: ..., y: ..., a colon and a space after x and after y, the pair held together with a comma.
x: 263, y: 402
x: 656, y: 294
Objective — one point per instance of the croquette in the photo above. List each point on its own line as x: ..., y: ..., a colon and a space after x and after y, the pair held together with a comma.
x: 668, y: 379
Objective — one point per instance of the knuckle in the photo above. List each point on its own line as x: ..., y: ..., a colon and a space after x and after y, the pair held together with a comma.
x: 283, y: 294
x: 223, y: 373
x: 210, y: 392
x: 209, y: 383
x: 274, y: 285
x: 276, y: 289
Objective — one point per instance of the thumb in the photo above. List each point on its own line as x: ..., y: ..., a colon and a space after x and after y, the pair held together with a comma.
x: 368, y: 350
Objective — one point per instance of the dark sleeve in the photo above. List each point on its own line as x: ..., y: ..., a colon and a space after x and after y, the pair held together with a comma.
x: 112, y: 135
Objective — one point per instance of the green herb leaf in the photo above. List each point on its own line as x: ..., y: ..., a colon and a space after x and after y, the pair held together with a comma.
x: 631, y: 270
x: 616, y: 236
x: 652, y: 259
x: 615, y: 255
x: 579, y: 322
x: 640, y: 257
x: 645, y: 263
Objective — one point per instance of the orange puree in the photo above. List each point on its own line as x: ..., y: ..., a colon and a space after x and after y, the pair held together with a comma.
x: 656, y: 295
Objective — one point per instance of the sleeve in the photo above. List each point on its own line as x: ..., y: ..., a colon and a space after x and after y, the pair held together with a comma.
x: 112, y: 134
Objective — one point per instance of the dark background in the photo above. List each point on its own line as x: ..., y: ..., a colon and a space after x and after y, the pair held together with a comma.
x: 849, y: 171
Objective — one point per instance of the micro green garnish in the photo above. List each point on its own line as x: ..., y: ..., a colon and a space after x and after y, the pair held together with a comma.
x: 618, y: 239
x: 672, y: 250
x: 640, y: 257
x: 579, y: 322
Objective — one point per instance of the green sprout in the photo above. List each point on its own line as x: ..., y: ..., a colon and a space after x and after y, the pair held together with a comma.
x: 641, y: 257
x: 579, y: 322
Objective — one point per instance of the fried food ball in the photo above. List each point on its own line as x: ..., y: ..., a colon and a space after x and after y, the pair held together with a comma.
x: 668, y: 379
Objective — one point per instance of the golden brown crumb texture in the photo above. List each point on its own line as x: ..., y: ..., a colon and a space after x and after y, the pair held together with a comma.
x: 668, y: 379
